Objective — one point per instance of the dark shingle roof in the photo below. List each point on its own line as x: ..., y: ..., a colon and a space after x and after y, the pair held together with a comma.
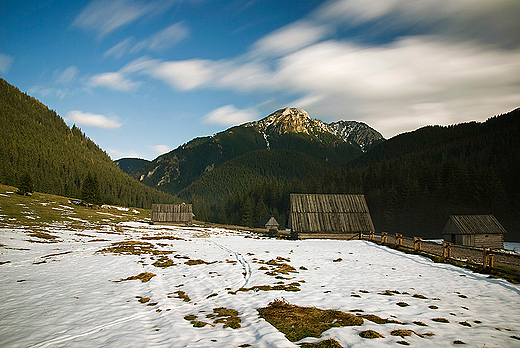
x: 477, y: 224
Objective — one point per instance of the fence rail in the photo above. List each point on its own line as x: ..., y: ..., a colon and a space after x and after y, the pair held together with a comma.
x: 483, y: 257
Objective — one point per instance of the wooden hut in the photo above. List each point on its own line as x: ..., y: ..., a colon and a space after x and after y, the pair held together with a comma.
x: 172, y: 213
x: 474, y: 230
x: 269, y: 223
x: 328, y: 216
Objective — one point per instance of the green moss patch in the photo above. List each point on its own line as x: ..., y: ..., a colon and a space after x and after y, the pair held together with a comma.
x: 299, y: 322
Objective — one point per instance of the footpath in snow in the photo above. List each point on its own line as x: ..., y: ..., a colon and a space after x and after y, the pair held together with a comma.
x: 137, y: 285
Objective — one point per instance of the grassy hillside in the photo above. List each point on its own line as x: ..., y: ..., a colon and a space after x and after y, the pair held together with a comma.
x: 35, y: 141
x: 43, y: 208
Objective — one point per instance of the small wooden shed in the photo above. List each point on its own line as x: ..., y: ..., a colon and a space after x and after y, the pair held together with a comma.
x: 474, y: 230
x: 172, y: 213
x: 331, y: 216
x: 269, y: 223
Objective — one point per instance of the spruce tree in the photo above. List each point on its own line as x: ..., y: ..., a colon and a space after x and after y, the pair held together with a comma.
x: 90, y: 192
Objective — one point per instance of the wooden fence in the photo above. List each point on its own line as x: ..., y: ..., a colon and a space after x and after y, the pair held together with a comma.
x: 482, y: 257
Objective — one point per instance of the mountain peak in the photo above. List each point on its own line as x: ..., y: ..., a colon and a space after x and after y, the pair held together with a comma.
x: 289, y: 120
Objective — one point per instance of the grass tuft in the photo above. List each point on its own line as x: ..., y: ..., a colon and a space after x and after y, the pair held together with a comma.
x: 329, y: 343
x: 299, y: 322
x: 370, y: 334
x: 143, y: 277
x: 441, y: 320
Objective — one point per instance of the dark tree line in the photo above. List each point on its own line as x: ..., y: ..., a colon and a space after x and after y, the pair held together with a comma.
x: 36, y: 141
x: 412, y: 183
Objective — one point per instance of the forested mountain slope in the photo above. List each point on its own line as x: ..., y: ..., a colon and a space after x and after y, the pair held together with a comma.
x: 414, y: 181
x: 35, y: 141
x: 286, y: 129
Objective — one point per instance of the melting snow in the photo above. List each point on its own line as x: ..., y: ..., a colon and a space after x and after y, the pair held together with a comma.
x: 66, y: 294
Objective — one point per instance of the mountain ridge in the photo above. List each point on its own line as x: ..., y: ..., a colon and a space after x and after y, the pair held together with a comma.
x: 288, y: 128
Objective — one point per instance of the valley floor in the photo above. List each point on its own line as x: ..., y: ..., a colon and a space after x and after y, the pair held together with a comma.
x: 69, y: 286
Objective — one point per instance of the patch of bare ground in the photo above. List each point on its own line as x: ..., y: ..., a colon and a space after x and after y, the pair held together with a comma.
x: 47, y: 238
x: 180, y: 294
x: 221, y: 315
x: 375, y: 319
x: 143, y: 277
x: 294, y: 286
x: 198, y: 262
x: 133, y: 247
x: 164, y: 262
x: 329, y: 343
x: 370, y: 334
x: 297, y: 322
x: 160, y: 237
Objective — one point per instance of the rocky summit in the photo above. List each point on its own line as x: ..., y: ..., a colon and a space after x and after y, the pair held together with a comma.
x: 294, y: 120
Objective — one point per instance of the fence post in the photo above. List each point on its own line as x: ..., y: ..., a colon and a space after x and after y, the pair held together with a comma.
x: 371, y: 236
x: 491, y: 259
x: 417, y: 243
x: 485, y: 258
x: 446, y: 250
x: 398, y: 239
x: 384, y: 238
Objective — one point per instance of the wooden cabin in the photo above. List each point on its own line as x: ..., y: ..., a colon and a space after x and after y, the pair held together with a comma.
x: 474, y: 230
x: 330, y: 216
x: 269, y: 223
x: 164, y: 214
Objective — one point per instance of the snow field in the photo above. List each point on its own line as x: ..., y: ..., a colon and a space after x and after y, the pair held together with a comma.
x: 68, y: 294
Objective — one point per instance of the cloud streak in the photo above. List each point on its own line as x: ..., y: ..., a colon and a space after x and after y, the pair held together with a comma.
x: 5, y: 63
x: 113, y: 80
x: 92, y: 120
x: 229, y: 115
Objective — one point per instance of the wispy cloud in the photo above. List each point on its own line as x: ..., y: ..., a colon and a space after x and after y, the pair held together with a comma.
x: 185, y: 75
x: 5, y: 63
x: 113, y: 80
x: 66, y: 76
x: 290, y: 38
x: 49, y: 91
x: 229, y: 115
x: 160, y: 41
x: 119, y: 49
x: 160, y: 149
x: 490, y: 22
x: 164, y: 39
x: 92, y: 120
x: 105, y: 16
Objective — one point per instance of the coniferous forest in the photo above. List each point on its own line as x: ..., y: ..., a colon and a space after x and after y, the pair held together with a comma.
x: 36, y: 143
x: 412, y: 182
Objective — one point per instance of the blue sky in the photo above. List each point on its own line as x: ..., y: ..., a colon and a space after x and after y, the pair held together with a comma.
x: 143, y: 77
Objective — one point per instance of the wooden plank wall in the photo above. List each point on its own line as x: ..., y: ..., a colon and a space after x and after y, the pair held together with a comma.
x: 320, y: 213
x: 172, y: 213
